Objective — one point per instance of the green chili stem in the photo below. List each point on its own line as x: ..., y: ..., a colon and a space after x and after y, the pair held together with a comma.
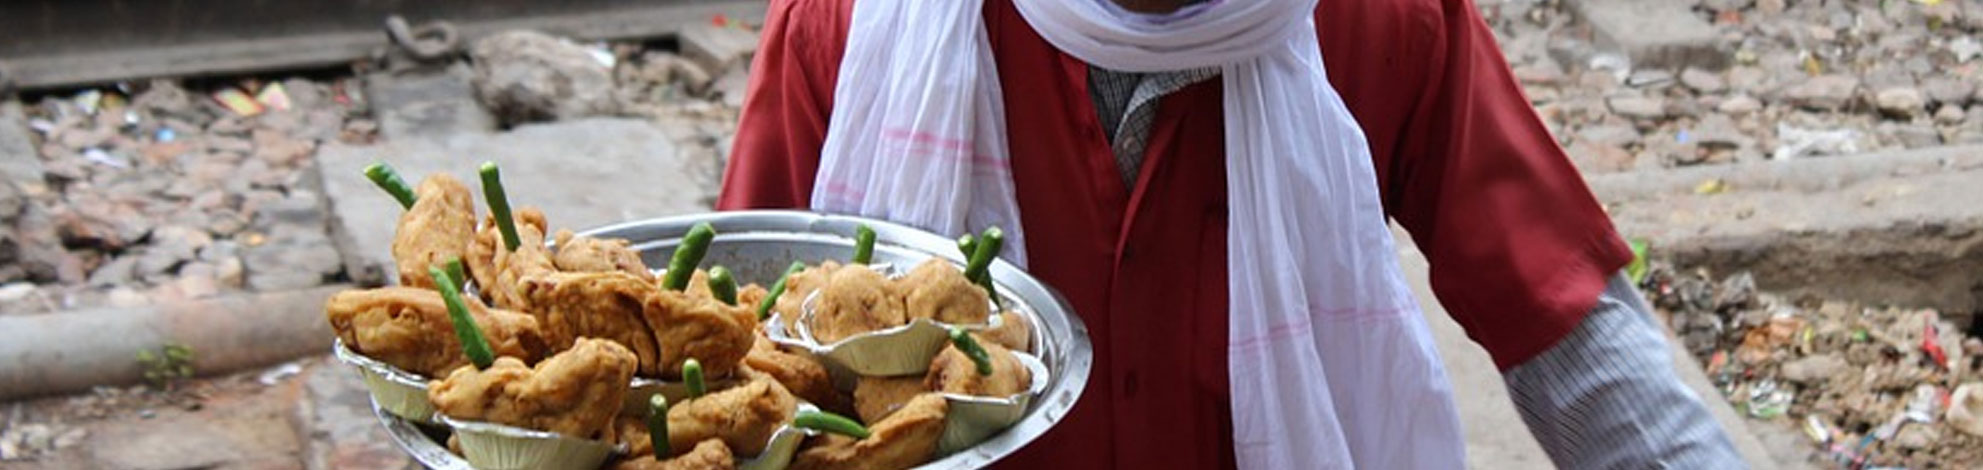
x: 777, y: 289
x: 723, y: 285
x: 657, y: 425
x: 688, y: 255
x: 969, y: 245
x: 387, y: 179
x: 456, y: 272
x: 692, y: 375
x: 472, y: 342
x: 985, y: 250
x: 970, y: 347
x: 829, y: 422
x: 863, y: 244
x: 499, y: 204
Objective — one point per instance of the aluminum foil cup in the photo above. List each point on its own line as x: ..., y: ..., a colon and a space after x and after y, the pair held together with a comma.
x: 888, y: 352
x: 784, y: 444
x: 644, y: 388
x: 973, y: 419
x: 402, y: 393
x: 490, y: 446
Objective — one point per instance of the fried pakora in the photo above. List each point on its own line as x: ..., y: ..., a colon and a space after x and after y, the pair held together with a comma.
x: 438, y: 228
x: 710, y: 454
x: 799, y: 373
x: 576, y: 392
x: 498, y: 270
x: 800, y: 285
x: 606, y: 305
x: 854, y: 301
x: 1013, y: 332
x: 410, y: 329
x: 716, y: 334
x: 938, y: 290
x: 904, y: 439
x: 877, y: 397
x: 590, y: 254
x: 954, y: 372
x: 743, y: 417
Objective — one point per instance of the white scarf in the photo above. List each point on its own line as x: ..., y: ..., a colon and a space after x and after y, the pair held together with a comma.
x: 1331, y: 365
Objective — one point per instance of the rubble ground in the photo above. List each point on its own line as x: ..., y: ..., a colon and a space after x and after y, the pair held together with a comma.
x: 1868, y: 386
x: 1809, y: 78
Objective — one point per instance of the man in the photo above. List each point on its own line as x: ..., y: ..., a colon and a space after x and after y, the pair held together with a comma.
x: 1124, y: 182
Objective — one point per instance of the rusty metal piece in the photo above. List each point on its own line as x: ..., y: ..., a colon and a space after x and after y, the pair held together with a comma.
x: 430, y: 42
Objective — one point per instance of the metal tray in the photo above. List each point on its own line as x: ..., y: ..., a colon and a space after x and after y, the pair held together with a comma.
x: 758, y: 245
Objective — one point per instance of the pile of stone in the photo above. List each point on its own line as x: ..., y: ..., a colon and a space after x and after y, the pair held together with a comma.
x: 1869, y: 386
x: 1807, y: 78
x: 172, y: 193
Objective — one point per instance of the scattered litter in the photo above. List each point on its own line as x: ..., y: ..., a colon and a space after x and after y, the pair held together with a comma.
x: 105, y: 158
x: 1863, y: 383
x: 275, y: 374
x: 165, y: 135
x: 1799, y: 142
x: 1965, y: 48
x: 237, y: 101
x: 88, y: 101
x: 274, y: 97
x: 1713, y: 186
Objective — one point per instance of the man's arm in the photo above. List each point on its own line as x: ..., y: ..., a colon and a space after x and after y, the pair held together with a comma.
x: 786, y: 105
x: 1525, y: 258
x: 1519, y: 247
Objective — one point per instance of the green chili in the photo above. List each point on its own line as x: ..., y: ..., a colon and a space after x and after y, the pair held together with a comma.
x: 383, y: 175
x: 472, y: 342
x: 829, y: 422
x: 499, y: 204
x: 688, y: 255
x: 777, y: 289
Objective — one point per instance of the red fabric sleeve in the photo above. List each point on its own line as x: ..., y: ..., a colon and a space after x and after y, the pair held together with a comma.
x: 783, y: 122
x: 1519, y: 247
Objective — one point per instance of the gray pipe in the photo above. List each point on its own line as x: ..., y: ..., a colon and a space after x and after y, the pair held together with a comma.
x: 73, y: 351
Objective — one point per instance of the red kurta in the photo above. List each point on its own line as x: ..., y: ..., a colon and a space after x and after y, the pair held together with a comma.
x: 1518, y: 246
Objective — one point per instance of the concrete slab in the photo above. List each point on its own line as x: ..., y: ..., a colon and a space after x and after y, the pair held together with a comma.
x: 427, y: 102
x: 1661, y: 34
x: 583, y: 174
x: 337, y: 414
x: 1895, y: 228
x: 1496, y: 436
x: 19, y: 162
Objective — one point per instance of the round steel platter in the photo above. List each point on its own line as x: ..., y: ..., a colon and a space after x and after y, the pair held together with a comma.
x: 758, y: 245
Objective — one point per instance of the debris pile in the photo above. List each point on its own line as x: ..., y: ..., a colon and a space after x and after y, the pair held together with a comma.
x: 1807, y: 78
x: 154, y: 192
x: 1872, y: 387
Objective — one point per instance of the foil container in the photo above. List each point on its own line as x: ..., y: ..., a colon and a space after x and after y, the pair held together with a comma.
x: 490, y: 446
x: 894, y: 351
x: 973, y: 419
x: 401, y: 393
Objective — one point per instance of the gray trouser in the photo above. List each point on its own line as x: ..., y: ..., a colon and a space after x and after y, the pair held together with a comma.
x: 1607, y: 397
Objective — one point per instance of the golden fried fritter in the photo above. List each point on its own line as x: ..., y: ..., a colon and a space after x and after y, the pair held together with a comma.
x: 576, y: 393
x: 710, y: 454
x: 1013, y: 332
x: 854, y: 301
x: 410, y: 329
x: 686, y: 326
x: 437, y: 228
x: 588, y: 254
x: 800, y: 285
x: 904, y: 439
x: 800, y: 373
x: 486, y: 258
x: 751, y: 294
x: 744, y: 417
x: 953, y: 372
x: 877, y: 397
x: 938, y: 290
x: 606, y: 305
